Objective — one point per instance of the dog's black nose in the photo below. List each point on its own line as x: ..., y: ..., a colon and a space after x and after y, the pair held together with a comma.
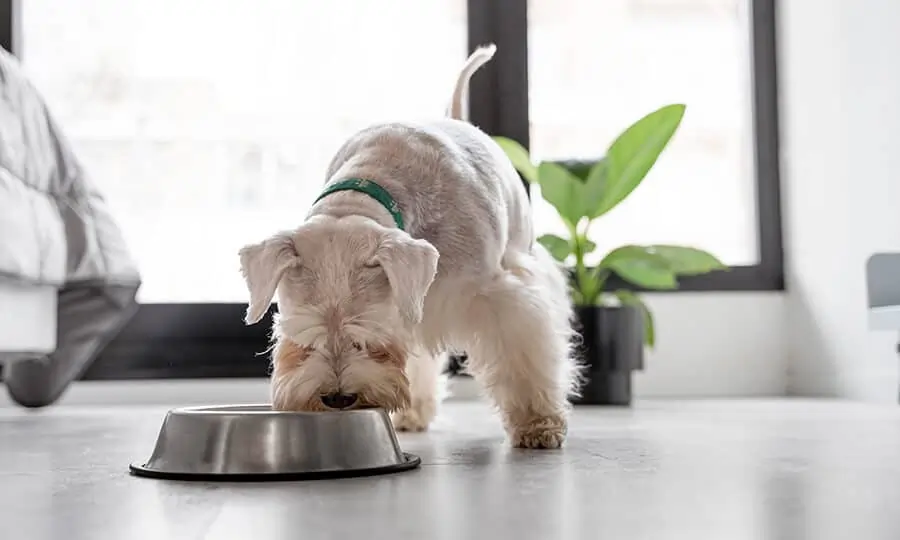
x: 337, y: 400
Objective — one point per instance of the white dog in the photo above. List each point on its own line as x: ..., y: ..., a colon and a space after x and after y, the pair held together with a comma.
x: 421, y: 242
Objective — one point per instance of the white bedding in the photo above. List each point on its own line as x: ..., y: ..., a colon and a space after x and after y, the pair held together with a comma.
x: 67, y: 280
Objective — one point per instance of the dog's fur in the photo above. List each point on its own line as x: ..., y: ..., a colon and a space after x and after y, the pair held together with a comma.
x: 368, y: 309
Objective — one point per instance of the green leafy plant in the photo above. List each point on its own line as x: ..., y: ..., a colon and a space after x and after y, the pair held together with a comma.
x: 583, y: 193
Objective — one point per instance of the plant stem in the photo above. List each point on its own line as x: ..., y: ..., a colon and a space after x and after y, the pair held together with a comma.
x: 581, y: 275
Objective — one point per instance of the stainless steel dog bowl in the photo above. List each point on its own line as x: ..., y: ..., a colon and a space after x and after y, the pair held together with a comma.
x: 255, y: 443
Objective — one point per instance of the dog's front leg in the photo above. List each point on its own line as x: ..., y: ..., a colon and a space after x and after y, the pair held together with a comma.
x: 426, y: 391
x: 521, y: 354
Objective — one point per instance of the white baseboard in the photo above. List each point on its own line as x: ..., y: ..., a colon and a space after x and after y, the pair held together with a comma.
x: 29, y: 326
x: 463, y: 388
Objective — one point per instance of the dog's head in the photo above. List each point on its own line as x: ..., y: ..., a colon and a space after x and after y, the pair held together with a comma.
x: 350, y: 292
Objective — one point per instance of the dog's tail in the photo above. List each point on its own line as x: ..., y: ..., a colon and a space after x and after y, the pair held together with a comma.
x: 459, y: 103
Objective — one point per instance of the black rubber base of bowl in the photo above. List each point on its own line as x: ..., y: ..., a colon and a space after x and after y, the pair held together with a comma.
x: 411, y: 462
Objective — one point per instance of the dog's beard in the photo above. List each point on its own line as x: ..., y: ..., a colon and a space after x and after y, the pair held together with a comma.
x: 300, y: 388
x: 327, y: 363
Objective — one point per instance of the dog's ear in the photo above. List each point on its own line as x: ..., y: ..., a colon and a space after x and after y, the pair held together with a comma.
x: 262, y: 266
x: 410, y: 265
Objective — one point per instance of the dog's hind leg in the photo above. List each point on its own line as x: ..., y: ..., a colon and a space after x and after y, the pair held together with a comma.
x: 520, y: 351
x: 426, y: 386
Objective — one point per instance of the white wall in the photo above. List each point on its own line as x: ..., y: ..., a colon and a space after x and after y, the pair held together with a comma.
x: 840, y: 107
x: 716, y: 344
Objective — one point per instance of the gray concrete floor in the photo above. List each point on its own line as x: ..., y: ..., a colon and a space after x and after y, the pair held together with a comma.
x: 687, y: 470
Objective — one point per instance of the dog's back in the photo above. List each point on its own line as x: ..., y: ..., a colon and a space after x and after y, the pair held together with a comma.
x: 455, y: 186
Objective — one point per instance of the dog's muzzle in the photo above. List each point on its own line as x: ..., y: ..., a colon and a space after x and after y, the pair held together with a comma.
x: 337, y: 400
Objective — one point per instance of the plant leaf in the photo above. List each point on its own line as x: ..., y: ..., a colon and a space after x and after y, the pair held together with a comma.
x: 580, y: 168
x: 595, y: 189
x: 558, y: 247
x: 635, y: 151
x: 636, y: 265
x: 587, y: 245
x: 562, y: 189
x: 688, y: 261
x: 628, y: 298
x: 519, y: 158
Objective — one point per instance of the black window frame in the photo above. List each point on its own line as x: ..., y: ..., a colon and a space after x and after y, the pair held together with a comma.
x: 9, y: 25
x: 194, y: 340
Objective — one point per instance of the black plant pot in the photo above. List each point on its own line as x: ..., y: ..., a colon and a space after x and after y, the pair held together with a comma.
x: 611, y: 348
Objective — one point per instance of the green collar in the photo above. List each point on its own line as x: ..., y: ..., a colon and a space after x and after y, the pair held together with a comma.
x: 371, y: 189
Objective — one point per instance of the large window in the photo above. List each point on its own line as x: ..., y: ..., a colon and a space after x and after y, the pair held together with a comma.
x: 596, y: 66
x: 208, y: 124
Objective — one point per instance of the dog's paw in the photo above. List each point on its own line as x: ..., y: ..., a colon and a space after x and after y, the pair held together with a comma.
x: 415, y: 418
x: 540, y: 433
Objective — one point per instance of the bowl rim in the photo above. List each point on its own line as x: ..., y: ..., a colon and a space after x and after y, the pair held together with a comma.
x: 264, y: 409
x: 410, y: 461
